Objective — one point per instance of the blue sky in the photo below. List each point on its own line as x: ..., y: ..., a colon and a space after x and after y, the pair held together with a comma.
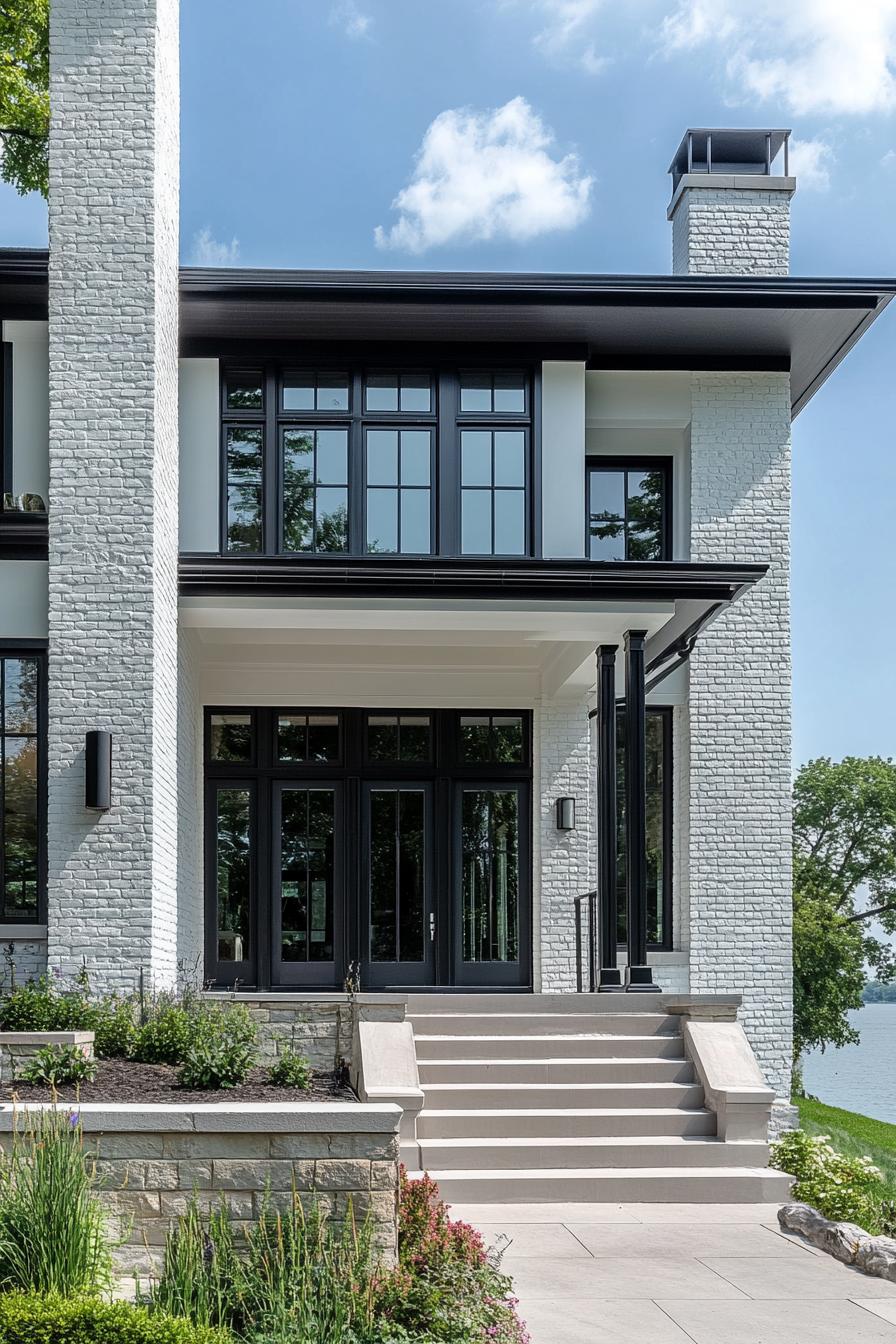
x: 536, y: 134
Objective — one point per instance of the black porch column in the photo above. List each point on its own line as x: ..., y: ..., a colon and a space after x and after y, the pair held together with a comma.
x: 638, y: 976
x: 606, y: 816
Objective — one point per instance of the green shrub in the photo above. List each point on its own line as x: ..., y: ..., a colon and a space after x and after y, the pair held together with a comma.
x: 31, y: 1319
x: 297, y: 1279
x: 164, y: 1036
x: 292, y: 1070
x: 52, y: 1229
x: 221, y: 1048
x: 115, y: 1028
x: 58, y: 1065
x: 847, y: 1189
x: 47, y: 1004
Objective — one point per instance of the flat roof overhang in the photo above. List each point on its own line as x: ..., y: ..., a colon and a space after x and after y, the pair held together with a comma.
x: 803, y: 326
x: 565, y: 607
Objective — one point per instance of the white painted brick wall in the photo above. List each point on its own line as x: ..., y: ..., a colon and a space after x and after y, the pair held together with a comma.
x: 113, y: 481
x: 731, y: 232
x: 739, y: 769
x: 22, y: 959
x: 189, y: 775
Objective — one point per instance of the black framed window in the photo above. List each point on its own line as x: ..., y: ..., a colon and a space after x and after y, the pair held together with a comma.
x: 659, y: 826
x: 629, y: 508
x: 5, y: 419
x: 22, y: 784
x: 360, y: 461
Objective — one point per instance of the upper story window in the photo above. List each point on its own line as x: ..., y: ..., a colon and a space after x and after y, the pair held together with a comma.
x: 376, y: 462
x: 628, y: 503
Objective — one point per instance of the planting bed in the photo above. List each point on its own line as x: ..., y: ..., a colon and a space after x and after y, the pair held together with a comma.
x: 123, y: 1080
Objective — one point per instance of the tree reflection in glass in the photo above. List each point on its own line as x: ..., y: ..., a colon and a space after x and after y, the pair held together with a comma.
x: 490, y: 868
x: 306, y: 874
x: 233, y: 874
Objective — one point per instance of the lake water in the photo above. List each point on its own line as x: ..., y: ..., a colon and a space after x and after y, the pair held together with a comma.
x: 859, y: 1077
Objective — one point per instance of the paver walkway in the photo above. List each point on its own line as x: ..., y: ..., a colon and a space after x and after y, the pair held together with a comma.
x: 679, y: 1274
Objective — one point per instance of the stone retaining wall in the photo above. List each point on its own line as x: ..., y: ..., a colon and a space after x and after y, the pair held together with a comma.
x: 153, y: 1158
x: 17, y: 1047
x: 317, y: 1025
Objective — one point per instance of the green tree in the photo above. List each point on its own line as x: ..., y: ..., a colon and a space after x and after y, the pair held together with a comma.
x: 25, y: 94
x: 844, y: 882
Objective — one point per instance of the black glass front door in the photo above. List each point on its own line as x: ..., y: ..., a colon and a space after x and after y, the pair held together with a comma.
x: 307, y: 911
x: 398, y: 918
x: 491, y: 920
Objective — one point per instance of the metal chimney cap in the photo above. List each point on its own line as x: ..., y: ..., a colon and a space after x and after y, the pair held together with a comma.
x: 733, y: 151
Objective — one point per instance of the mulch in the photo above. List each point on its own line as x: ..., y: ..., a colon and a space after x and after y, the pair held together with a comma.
x: 122, y: 1080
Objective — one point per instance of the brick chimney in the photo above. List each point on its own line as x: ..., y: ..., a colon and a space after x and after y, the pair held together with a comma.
x: 730, y: 207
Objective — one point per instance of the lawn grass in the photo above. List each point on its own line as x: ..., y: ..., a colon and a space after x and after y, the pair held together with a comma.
x: 853, y: 1134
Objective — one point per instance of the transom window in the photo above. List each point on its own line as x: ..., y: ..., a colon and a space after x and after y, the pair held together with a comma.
x: 628, y: 509
x: 22, y: 785
x: 371, y: 462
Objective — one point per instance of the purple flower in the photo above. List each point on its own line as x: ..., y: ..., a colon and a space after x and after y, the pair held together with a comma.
x: 57, y: 971
x: 74, y: 1120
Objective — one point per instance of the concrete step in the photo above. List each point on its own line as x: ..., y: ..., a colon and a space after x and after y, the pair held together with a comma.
x: 630, y: 1185
x: 580, y: 1153
x: 504, y: 1023
x: 555, y: 1070
x: 588, y: 1046
x: 467, y: 1096
x: 503, y: 1002
x: 564, y: 1123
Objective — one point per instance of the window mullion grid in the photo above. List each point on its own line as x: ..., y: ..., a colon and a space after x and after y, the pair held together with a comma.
x: 271, y: 501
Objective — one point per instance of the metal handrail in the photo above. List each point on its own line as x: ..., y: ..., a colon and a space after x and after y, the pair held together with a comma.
x: 591, y: 898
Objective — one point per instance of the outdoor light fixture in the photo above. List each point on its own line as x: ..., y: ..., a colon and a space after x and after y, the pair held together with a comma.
x: 98, y: 770
x: 566, y: 814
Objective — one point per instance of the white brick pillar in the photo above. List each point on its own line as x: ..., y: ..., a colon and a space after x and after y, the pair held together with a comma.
x: 113, y: 481
x: 731, y: 226
x: 738, y: 832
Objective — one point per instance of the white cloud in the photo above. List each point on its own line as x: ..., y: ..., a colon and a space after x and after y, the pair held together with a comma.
x: 352, y: 20
x: 486, y: 175
x: 565, y: 34
x: 811, y: 162
x: 811, y: 56
x: 889, y: 160
x: 207, y: 251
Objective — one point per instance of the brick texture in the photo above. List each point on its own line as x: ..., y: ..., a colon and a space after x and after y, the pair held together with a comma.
x: 738, y: 826
x: 731, y: 232
x: 113, y: 482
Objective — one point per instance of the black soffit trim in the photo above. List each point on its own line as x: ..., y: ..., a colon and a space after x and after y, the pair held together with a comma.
x: 23, y: 536
x: 519, y: 580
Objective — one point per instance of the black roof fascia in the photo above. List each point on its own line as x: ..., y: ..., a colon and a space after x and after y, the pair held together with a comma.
x: 523, y: 580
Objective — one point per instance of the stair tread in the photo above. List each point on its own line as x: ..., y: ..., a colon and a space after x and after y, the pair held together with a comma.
x: 594, y: 1112
x: 554, y: 1087
x: 648, y: 1063
x: 423, y: 1039
x: 556, y: 1174
x: 598, y: 1141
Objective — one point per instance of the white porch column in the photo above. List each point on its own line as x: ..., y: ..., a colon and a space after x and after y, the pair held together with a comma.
x: 113, y: 482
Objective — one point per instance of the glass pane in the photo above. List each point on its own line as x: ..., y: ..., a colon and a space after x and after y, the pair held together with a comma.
x: 230, y: 737
x: 292, y: 742
x: 332, y: 456
x: 656, y: 802
x: 332, y: 392
x: 382, y: 392
x: 510, y: 395
x: 243, y: 489
x: 306, y: 877
x: 415, y: 455
x: 20, y: 836
x: 510, y: 457
x: 510, y: 522
x: 415, y: 737
x: 20, y: 695
x: 332, y: 520
x: 490, y: 881
x: 415, y: 538
x: 382, y: 521
x: 411, y: 874
x: 644, y: 543
x: 382, y: 456
x: 606, y: 538
x: 233, y: 873
x: 476, y: 457
x: 415, y: 392
x: 323, y: 737
x: 298, y: 494
x: 476, y: 393
x: 298, y: 392
x: 475, y: 737
x: 508, y: 739
x: 476, y: 522
x: 382, y: 737
x: 245, y: 392
x: 645, y: 510
x: 607, y: 493
x: 383, y: 875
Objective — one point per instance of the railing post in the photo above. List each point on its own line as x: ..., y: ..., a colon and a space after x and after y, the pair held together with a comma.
x: 578, y: 944
x: 592, y: 941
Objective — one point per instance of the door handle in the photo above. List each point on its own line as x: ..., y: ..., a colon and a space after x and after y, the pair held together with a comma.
x: 432, y: 927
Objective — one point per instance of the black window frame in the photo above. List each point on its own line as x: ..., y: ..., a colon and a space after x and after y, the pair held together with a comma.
x: 665, y: 715
x: 445, y: 771
x: 634, y: 464
x: 445, y: 421
x: 6, y: 462
x: 38, y: 651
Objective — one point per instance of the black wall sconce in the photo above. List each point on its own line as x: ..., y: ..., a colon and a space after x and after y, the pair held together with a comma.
x: 566, y: 814
x: 98, y: 770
